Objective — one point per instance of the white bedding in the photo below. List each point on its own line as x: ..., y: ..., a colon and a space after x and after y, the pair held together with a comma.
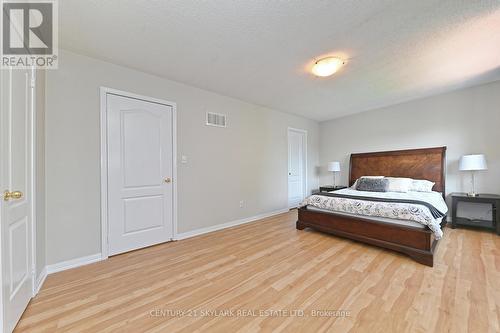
x: 393, y: 210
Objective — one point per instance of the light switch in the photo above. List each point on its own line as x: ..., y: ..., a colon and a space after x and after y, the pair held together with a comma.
x: 184, y: 159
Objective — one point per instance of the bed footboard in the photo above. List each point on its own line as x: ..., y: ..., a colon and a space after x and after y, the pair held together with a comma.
x: 417, y: 243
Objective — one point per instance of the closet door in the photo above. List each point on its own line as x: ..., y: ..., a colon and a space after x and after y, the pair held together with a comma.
x: 15, y: 197
x: 296, y: 166
x: 140, y: 191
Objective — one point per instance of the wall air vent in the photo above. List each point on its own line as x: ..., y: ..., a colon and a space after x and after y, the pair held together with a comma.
x: 216, y: 119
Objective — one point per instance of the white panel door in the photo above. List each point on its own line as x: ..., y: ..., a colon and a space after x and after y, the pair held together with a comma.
x: 140, y: 191
x: 296, y: 167
x: 15, y: 165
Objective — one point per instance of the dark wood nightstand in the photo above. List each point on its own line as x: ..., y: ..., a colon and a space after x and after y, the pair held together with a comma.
x: 329, y: 188
x: 492, y: 199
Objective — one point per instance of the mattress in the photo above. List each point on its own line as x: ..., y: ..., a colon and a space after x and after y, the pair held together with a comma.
x: 410, y: 208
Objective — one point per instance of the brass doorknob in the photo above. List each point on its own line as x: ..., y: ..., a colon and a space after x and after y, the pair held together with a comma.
x: 15, y: 195
x: 168, y: 180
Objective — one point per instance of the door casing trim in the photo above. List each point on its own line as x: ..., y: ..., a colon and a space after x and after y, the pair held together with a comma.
x: 34, y: 188
x: 104, y: 91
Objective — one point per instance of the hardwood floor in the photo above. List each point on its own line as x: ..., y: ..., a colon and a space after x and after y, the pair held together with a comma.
x: 271, y: 265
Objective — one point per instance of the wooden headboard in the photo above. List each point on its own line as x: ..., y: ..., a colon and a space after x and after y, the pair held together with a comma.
x: 427, y: 163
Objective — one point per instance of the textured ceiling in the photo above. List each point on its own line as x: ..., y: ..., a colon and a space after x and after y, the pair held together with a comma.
x: 261, y: 51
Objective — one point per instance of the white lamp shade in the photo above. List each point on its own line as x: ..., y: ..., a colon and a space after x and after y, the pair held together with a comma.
x: 472, y: 163
x: 334, y: 166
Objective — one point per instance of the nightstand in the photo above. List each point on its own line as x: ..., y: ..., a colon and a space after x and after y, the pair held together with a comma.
x: 329, y: 188
x: 492, y: 199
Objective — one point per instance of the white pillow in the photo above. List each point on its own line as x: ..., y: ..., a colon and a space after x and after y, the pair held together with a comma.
x: 373, y: 177
x: 399, y: 184
x: 421, y: 185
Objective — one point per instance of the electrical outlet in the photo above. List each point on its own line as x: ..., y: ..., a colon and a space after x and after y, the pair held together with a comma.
x: 242, y: 203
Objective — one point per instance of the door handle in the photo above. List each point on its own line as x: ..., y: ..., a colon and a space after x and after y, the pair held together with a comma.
x: 168, y: 180
x: 14, y: 195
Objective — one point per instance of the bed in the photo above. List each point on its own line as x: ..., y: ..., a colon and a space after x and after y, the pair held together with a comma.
x: 417, y: 241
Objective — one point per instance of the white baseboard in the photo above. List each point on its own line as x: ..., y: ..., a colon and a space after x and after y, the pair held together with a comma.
x: 40, y: 280
x: 64, y: 265
x: 206, y: 230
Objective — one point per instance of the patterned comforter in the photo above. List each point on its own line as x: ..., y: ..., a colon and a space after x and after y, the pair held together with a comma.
x: 394, y: 210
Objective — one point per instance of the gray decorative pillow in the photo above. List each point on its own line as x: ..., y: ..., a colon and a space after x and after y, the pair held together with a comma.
x: 372, y: 184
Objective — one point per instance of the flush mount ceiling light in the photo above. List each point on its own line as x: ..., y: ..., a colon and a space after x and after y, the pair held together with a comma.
x: 327, y: 66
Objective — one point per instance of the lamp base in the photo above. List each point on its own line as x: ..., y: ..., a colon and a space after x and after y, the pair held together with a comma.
x: 472, y: 194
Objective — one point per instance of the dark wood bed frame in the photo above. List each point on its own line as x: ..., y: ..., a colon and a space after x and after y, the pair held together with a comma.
x: 418, y: 243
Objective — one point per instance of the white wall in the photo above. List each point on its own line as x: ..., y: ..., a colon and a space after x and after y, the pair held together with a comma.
x: 246, y: 161
x: 466, y: 121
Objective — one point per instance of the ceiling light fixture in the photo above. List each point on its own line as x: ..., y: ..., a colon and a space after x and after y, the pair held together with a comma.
x: 327, y: 66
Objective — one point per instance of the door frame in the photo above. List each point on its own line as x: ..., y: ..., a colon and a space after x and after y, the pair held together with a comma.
x: 104, y: 91
x: 304, y: 179
x: 34, y: 153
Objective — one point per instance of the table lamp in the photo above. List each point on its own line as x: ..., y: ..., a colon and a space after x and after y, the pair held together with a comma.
x: 472, y: 163
x: 334, y: 167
